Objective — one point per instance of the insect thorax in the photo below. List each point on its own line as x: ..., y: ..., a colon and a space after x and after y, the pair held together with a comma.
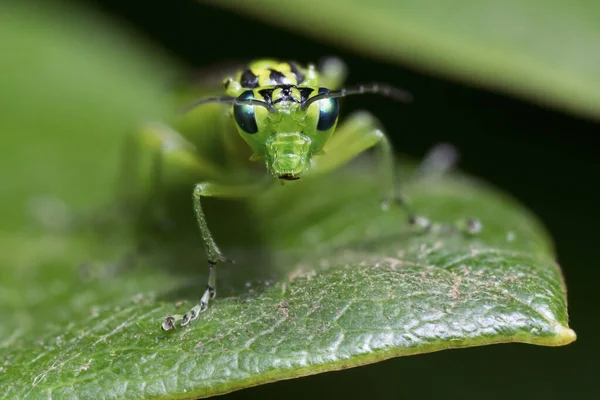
x: 269, y: 73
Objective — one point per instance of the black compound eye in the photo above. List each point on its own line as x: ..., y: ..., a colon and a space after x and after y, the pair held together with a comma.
x: 244, y: 114
x: 329, y: 110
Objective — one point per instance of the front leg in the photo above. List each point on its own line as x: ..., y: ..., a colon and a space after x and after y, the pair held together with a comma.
x: 166, y: 146
x: 213, y: 253
x: 360, y: 132
x: 357, y: 134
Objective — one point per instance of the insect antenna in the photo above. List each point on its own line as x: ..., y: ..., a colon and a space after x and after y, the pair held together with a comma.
x: 229, y: 100
x: 375, y: 88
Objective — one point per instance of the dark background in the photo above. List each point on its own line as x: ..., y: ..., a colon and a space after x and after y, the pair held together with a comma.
x: 546, y: 159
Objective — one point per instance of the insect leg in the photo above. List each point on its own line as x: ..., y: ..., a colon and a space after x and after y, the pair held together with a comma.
x: 333, y: 73
x: 168, y: 146
x: 213, y: 252
x: 177, y: 150
x: 437, y: 162
x: 358, y: 133
x: 128, y: 173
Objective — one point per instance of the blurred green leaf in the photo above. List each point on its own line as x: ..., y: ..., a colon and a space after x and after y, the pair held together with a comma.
x: 323, y: 280
x: 543, y: 50
x: 70, y: 87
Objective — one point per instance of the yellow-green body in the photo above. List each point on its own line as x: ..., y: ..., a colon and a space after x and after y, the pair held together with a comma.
x: 286, y: 116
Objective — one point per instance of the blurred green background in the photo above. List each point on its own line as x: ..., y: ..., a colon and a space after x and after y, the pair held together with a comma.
x: 545, y: 158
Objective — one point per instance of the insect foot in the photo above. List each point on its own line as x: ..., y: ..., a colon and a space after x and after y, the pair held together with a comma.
x: 171, y: 321
x: 473, y: 226
x: 468, y: 227
x: 168, y: 323
x: 420, y: 222
x: 210, y: 293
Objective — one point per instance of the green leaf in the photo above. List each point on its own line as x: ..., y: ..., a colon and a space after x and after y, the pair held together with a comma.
x: 324, y: 279
x: 339, y: 283
x: 541, y: 50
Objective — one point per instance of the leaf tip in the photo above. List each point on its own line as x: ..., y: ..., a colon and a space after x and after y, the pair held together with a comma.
x: 565, y: 335
x: 562, y: 337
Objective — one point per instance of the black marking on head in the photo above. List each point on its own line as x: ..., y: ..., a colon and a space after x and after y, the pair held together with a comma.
x: 289, y: 177
x: 329, y: 110
x: 226, y: 83
x: 299, y: 75
x: 286, y: 90
x: 305, y: 93
x: 267, y: 95
x: 286, y: 94
x: 276, y: 77
x: 244, y: 114
x: 249, y: 80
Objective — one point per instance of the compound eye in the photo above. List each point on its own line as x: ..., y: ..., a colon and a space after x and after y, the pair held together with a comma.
x: 244, y: 114
x: 329, y: 110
